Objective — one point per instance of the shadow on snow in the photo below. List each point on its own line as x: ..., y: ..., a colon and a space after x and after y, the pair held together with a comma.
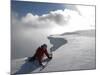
x: 28, y: 67
x: 56, y: 42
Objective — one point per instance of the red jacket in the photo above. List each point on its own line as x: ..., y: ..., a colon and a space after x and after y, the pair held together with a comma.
x: 40, y: 53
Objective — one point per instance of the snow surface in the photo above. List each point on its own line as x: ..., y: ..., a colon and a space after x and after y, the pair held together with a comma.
x: 70, y: 52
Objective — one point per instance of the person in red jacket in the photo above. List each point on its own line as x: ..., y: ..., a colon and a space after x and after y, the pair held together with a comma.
x: 40, y: 54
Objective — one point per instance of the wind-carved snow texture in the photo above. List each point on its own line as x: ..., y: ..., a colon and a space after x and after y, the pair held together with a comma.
x: 28, y: 67
x: 78, y: 53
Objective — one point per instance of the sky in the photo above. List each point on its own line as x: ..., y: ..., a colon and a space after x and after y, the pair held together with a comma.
x: 54, y: 14
x: 38, y: 7
x: 33, y: 22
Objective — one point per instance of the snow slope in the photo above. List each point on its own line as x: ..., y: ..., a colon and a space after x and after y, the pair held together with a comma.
x: 70, y: 52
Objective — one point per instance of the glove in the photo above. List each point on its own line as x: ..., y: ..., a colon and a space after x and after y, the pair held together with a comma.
x: 50, y: 57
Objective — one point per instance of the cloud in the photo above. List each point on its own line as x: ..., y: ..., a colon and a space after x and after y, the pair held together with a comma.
x: 54, y: 18
x: 65, y: 20
x: 30, y: 31
x: 83, y: 19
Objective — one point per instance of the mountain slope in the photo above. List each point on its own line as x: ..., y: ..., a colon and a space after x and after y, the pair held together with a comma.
x: 74, y: 53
